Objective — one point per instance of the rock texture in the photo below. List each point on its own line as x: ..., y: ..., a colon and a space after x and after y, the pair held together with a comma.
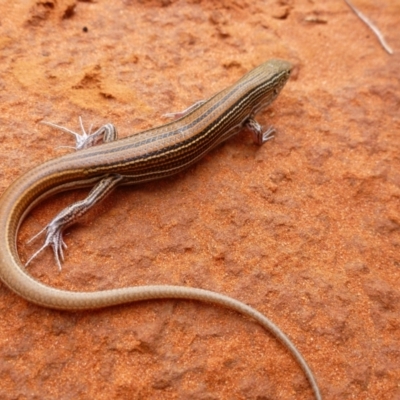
x: 306, y: 228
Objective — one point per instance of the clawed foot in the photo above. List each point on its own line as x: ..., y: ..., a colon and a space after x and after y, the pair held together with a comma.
x: 107, y: 133
x: 54, y: 239
x: 259, y: 136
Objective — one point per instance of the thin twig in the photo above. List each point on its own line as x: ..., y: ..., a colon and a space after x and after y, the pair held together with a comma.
x: 371, y: 26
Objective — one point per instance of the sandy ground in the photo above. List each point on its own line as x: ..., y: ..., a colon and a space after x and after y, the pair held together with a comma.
x: 305, y: 228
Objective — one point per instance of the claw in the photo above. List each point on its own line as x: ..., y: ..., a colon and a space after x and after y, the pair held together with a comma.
x: 259, y: 136
x: 87, y: 139
x: 82, y: 141
x: 54, y: 239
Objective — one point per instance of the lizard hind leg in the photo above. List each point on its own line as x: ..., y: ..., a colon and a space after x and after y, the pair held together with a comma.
x: 68, y: 216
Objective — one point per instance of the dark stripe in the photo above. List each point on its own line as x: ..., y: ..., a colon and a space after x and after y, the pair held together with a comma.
x: 205, y: 140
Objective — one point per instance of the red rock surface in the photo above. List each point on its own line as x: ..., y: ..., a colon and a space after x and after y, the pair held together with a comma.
x: 306, y: 228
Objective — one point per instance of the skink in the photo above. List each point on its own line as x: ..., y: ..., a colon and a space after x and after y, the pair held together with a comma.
x: 148, y: 155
